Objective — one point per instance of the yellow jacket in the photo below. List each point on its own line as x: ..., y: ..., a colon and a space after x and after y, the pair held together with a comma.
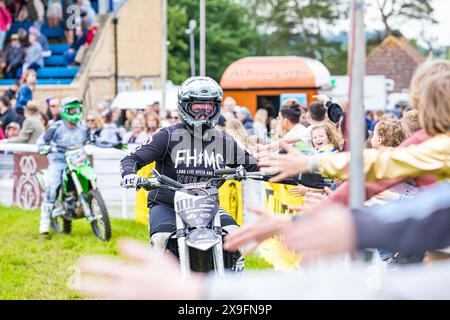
x: 429, y: 157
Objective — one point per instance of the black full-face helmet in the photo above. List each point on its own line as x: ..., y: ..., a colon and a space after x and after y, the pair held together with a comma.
x: 199, y: 103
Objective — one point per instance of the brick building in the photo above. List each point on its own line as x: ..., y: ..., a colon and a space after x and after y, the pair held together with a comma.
x: 396, y: 59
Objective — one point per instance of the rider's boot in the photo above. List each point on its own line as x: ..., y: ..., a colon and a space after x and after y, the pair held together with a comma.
x: 44, y: 224
x: 158, y: 241
x: 237, y: 258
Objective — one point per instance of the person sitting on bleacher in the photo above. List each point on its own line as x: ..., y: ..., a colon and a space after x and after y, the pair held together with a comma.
x: 43, y: 41
x: 80, y: 40
x: 33, y: 56
x: 14, y: 56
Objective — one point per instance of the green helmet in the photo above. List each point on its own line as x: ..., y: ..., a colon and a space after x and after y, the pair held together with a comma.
x: 72, y: 109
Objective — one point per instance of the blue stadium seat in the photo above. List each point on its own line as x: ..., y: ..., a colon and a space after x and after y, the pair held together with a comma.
x: 15, y: 26
x: 55, y: 61
x: 57, y: 72
x: 7, y: 82
x: 59, y: 48
x: 42, y: 82
x: 54, y: 32
x: 64, y: 81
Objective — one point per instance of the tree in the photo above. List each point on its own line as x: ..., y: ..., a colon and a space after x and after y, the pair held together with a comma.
x: 392, y: 11
x: 297, y: 27
x: 229, y: 36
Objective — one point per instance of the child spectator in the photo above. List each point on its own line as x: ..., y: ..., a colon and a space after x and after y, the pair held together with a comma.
x: 388, y: 132
x: 25, y: 93
x: 410, y: 122
x: 5, y: 23
x: 13, y: 58
x: 324, y: 139
x: 54, y: 13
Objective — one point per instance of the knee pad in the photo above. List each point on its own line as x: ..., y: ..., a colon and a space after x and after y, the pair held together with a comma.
x: 158, y: 241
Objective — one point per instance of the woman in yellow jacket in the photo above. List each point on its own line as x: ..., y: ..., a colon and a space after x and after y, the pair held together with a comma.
x: 429, y: 157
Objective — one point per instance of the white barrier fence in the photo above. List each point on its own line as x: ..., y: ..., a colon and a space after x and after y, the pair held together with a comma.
x: 120, y: 202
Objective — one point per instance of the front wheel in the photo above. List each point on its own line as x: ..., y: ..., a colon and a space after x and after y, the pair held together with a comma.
x: 101, y: 225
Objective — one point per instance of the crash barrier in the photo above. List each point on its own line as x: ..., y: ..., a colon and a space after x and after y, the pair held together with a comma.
x: 19, y: 186
x: 236, y: 197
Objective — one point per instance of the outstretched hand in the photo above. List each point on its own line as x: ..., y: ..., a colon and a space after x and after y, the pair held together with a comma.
x: 143, y: 274
x: 250, y: 236
x: 326, y: 232
x: 287, y: 165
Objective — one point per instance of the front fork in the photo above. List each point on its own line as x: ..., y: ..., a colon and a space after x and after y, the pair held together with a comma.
x: 82, y: 197
x: 183, y: 250
x: 218, y: 248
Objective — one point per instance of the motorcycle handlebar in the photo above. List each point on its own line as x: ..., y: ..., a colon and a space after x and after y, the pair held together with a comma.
x: 169, y: 181
x: 220, y: 172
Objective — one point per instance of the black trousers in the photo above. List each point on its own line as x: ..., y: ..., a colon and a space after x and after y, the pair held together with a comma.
x: 162, y: 219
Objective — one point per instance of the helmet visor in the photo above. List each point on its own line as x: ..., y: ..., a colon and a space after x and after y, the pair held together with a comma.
x: 200, y: 110
x: 73, y: 111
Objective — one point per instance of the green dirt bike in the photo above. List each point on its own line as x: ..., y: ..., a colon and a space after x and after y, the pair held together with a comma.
x: 78, y: 195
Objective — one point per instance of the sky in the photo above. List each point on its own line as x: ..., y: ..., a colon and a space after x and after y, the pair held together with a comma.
x: 411, y: 29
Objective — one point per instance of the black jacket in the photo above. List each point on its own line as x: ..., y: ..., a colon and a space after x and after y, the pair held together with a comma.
x: 186, y: 159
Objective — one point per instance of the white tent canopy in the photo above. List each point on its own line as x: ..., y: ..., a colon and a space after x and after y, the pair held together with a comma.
x: 141, y: 99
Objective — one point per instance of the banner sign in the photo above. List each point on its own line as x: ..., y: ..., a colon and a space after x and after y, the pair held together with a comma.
x: 27, y: 193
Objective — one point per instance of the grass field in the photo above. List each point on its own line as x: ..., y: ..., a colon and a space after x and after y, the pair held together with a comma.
x: 34, y: 267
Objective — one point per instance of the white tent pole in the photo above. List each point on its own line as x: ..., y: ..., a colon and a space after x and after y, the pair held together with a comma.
x: 356, y: 99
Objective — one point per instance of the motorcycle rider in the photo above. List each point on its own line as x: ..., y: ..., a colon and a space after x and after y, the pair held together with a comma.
x: 66, y: 132
x: 188, y: 152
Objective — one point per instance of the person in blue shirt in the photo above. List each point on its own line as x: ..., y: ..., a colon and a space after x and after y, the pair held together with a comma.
x: 25, y: 93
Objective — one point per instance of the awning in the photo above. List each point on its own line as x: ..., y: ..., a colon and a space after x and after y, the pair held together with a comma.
x: 276, y: 72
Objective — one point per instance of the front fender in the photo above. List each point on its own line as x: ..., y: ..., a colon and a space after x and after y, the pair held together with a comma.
x: 87, y: 177
x: 88, y: 173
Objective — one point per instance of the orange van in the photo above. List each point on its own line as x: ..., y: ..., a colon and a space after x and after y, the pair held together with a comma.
x: 256, y: 82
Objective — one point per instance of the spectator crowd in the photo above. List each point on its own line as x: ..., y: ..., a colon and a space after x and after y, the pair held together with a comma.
x: 26, y: 49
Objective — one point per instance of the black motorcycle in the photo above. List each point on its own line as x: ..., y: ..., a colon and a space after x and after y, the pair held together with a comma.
x: 197, y: 240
